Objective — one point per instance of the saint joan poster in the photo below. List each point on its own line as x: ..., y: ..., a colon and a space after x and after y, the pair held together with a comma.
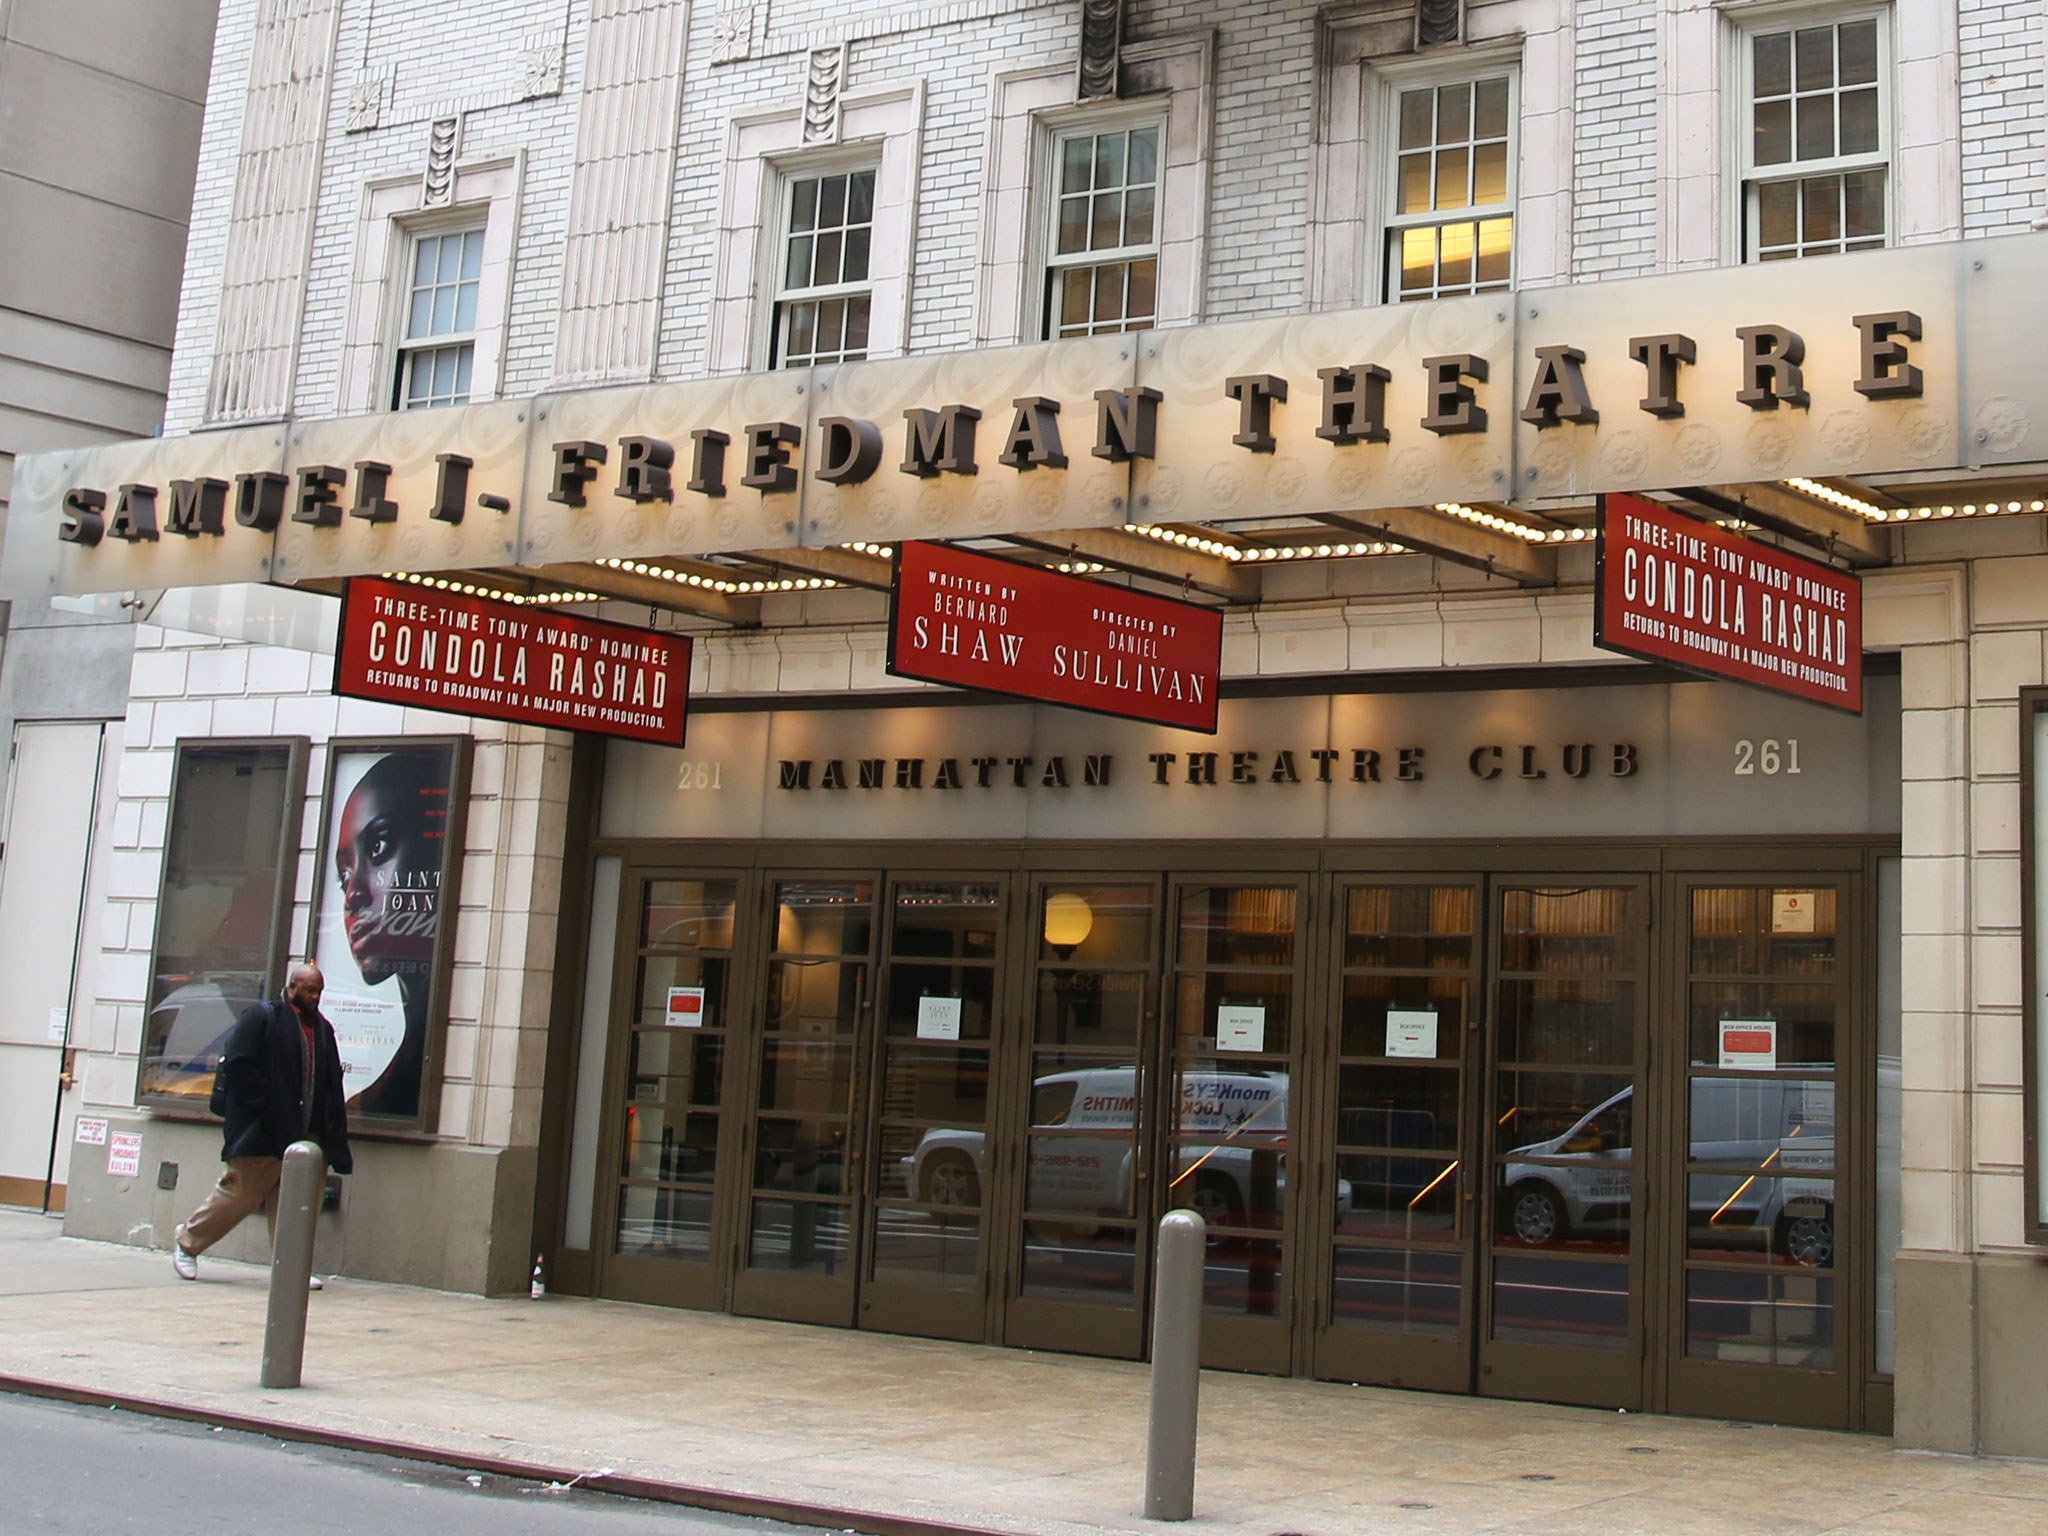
x: 384, y: 914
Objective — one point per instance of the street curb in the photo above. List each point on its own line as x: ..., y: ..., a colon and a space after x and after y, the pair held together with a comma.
x: 652, y: 1490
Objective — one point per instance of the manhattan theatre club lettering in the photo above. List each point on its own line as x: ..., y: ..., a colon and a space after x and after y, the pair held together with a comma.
x: 769, y: 456
x: 978, y: 622
x: 465, y: 655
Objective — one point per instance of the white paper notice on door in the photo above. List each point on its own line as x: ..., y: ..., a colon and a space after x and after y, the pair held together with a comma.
x: 124, y: 1155
x: 90, y: 1131
x: 1411, y: 1032
x: 1792, y: 911
x: 1240, y: 1027
x: 1750, y: 1044
x: 938, y: 1018
x: 685, y: 1007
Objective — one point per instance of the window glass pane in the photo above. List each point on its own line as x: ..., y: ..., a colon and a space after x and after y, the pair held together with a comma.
x: 797, y: 273
x: 1091, y: 924
x: 1859, y: 121
x: 1416, y: 111
x: 1490, y: 174
x: 1772, y: 60
x: 1820, y: 208
x: 1142, y: 302
x: 803, y: 319
x: 1109, y: 293
x: 831, y: 202
x: 831, y: 328
x: 1454, y: 256
x: 1538, y: 1299
x: 1076, y: 289
x: 444, y: 311
x: 1863, y: 204
x: 856, y: 328
x: 1816, y: 130
x: 1406, y: 1290
x: 444, y: 372
x: 1813, y: 54
x: 1496, y: 252
x: 664, y: 1223
x: 697, y: 914
x: 1076, y: 156
x: 1418, y: 260
x: 1453, y: 114
x: 1138, y: 217
x: 1771, y: 135
x: 1371, y: 995
x: 465, y: 358
x: 803, y: 205
x: 472, y: 255
x: 802, y: 1236
x: 1414, y: 197
x: 854, y: 267
x: 1237, y: 925
x: 1778, y: 214
x: 420, y: 320
x: 1776, y: 1319
x: 1073, y: 234
x: 424, y: 258
x: 1490, y: 109
x: 1144, y: 155
x: 465, y: 308
x: 1452, y: 169
x: 1107, y: 222
x: 213, y: 946
x: 825, y: 262
x: 1858, y: 58
x: 860, y: 197
x: 1109, y: 160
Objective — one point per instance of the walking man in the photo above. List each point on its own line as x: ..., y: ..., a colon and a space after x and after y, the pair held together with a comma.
x: 282, y: 1076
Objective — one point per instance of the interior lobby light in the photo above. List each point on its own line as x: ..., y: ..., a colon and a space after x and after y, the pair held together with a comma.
x: 1068, y: 922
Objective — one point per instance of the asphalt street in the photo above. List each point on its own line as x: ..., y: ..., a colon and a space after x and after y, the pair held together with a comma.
x: 93, y: 1471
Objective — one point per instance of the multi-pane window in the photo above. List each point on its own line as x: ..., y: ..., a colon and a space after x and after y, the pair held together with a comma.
x: 1453, y: 224
x: 1102, y: 273
x: 1817, y: 161
x: 822, y: 307
x: 438, y: 349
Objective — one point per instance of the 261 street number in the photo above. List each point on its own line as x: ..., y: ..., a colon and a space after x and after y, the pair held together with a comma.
x: 1769, y: 757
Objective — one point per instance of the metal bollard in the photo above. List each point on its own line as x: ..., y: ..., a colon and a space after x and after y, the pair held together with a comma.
x: 1176, y: 1366
x: 291, y: 1263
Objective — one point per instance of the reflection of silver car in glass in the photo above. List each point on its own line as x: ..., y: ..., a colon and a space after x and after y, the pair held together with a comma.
x: 1748, y: 1122
x: 1091, y: 1175
x: 193, y: 1022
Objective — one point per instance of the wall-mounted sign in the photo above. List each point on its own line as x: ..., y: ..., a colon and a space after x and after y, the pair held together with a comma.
x: 978, y: 622
x: 1792, y: 911
x: 90, y: 1131
x: 1240, y: 1027
x: 1749, y: 1045
x: 1411, y: 1032
x: 124, y: 1155
x: 420, y: 646
x: 1671, y: 588
x: 938, y: 1018
x: 686, y: 1008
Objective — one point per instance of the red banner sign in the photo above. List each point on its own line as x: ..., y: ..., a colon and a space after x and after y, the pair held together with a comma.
x: 978, y: 622
x: 463, y: 655
x: 1671, y: 588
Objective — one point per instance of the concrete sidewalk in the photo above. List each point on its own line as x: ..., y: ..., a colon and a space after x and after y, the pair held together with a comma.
x: 872, y: 1432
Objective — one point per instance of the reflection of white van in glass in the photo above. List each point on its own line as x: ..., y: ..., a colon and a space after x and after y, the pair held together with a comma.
x: 1784, y: 1126
x: 1071, y: 1171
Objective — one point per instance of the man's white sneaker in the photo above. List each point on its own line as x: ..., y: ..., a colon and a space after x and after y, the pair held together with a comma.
x: 315, y: 1283
x: 186, y: 1264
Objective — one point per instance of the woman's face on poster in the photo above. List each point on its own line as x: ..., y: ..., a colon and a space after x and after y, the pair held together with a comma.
x: 388, y: 880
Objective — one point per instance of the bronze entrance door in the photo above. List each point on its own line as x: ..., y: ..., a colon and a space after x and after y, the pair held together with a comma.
x: 1483, y: 1064
x: 865, y: 1152
x: 1161, y: 1052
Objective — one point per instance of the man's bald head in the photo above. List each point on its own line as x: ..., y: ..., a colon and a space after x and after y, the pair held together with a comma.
x: 303, y: 987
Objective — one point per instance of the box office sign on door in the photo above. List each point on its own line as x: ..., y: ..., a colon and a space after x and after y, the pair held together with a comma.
x: 1674, y: 589
x: 423, y: 646
x: 978, y: 622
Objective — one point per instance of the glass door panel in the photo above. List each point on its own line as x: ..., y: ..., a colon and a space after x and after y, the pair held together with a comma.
x: 1761, y: 1258
x: 1396, y: 1305
x: 1231, y: 1041
x: 671, y: 1120
x: 800, y: 1230
x: 927, y: 1249
x: 1562, y: 1298
x: 1084, y: 1213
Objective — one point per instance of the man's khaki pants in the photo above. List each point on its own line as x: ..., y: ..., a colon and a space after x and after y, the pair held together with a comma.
x: 245, y: 1183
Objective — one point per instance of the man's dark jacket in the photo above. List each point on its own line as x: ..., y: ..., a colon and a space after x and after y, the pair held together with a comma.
x: 264, y: 1067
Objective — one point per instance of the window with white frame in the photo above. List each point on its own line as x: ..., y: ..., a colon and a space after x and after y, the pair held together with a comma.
x: 1816, y: 157
x: 1102, y: 259
x: 1451, y: 227
x: 437, y: 347
x: 824, y: 296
